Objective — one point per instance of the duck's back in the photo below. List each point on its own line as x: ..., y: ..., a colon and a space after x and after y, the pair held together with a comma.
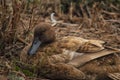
x: 81, y: 45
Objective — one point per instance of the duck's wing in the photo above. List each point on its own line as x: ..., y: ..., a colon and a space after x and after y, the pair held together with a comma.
x: 81, y: 45
x: 114, y: 76
x: 81, y: 60
x: 91, y: 46
x: 71, y: 43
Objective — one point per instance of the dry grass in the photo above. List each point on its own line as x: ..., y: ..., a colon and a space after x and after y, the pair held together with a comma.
x: 18, y: 18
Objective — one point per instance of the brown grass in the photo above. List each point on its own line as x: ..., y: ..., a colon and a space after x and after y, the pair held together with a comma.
x: 18, y: 19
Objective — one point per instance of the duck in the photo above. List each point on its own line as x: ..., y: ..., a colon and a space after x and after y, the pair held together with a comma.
x: 44, y: 34
x: 47, y: 53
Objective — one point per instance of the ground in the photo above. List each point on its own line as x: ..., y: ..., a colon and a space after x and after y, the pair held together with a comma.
x: 98, y: 27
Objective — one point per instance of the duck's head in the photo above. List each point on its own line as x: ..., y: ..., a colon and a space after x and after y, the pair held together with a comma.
x: 43, y: 34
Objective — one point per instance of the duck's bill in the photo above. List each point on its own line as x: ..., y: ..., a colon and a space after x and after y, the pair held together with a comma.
x: 34, y: 47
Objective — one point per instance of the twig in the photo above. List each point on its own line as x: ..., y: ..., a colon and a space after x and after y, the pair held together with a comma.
x: 111, y: 5
x: 18, y: 73
x: 55, y: 22
x: 22, y: 40
x: 109, y: 13
x: 111, y: 20
x: 68, y: 24
x: 87, y: 11
x: 31, y: 19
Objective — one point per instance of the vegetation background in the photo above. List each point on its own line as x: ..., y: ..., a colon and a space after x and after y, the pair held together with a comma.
x: 19, y: 17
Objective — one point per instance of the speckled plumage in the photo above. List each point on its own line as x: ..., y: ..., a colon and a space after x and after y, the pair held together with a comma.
x: 50, y: 59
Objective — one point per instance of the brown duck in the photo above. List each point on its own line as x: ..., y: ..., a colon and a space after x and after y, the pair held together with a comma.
x: 47, y: 55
